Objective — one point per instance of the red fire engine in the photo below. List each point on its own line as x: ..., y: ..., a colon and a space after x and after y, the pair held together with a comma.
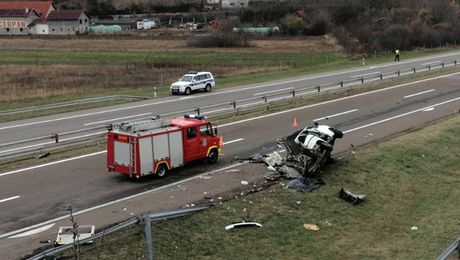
x: 155, y: 146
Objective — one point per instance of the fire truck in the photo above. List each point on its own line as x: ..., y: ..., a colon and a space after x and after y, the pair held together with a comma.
x: 155, y: 146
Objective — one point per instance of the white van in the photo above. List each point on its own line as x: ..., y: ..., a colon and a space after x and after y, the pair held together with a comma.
x: 193, y: 81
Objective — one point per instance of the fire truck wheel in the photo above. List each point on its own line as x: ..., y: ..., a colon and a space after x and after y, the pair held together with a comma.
x: 212, y: 157
x: 162, y: 170
x: 188, y: 91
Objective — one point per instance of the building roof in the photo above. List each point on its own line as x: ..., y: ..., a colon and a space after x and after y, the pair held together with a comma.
x: 65, y: 15
x: 41, y: 7
x: 17, y: 12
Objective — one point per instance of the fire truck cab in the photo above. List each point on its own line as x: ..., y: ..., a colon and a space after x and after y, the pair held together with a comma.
x: 155, y: 146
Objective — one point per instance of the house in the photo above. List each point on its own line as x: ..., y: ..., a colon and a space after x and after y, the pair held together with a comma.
x: 68, y: 22
x: 43, y: 8
x: 228, y: 4
x: 17, y: 21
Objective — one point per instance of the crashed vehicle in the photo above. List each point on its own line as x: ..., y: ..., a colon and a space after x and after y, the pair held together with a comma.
x: 310, y: 148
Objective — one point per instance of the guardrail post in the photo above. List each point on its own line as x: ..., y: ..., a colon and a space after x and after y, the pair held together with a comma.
x: 443, y: 64
x: 381, y: 76
x: 455, y: 62
x: 429, y: 67
x: 56, y: 138
x: 234, y: 104
x: 265, y: 99
x: 293, y: 93
x: 319, y: 88
x: 197, y: 110
x: 341, y: 84
x: 148, y: 236
x: 399, y: 73
x: 414, y: 70
x: 362, y: 80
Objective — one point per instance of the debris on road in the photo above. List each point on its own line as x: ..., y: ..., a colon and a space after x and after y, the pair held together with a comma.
x: 244, y: 183
x: 305, y: 184
x: 312, y: 227
x: 351, y: 197
x: 243, y: 224
x: 66, y: 235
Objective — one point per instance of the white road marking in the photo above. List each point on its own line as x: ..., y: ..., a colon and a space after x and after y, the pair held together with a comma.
x: 234, y: 141
x: 419, y: 93
x: 50, y: 142
x: 116, y: 119
x: 33, y: 231
x: 428, y: 109
x: 335, y: 100
x: 364, y: 75
x: 12, y: 233
x: 273, y: 91
x: 428, y: 63
x: 334, y: 115
x: 402, y: 115
x: 51, y: 163
x: 228, y: 91
x: 11, y: 198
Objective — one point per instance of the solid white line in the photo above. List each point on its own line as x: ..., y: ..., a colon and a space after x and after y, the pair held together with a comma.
x: 419, y: 93
x: 51, y: 163
x: 402, y: 115
x: 51, y: 142
x: 363, y: 75
x: 428, y: 63
x: 273, y: 91
x: 11, y: 198
x: 334, y: 115
x: 9, y: 234
x: 335, y: 100
x: 234, y: 141
x: 115, y: 119
x: 33, y: 231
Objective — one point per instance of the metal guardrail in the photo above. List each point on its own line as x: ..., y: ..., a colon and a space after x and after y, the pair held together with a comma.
x: 168, y: 214
x: 450, y: 250
x: 244, y: 105
x: 68, y: 103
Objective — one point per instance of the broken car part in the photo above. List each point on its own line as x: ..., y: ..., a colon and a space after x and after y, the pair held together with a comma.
x: 351, y: 197
x: 243, y: 224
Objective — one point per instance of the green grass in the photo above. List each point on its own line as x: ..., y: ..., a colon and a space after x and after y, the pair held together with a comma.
x: 413, y: 180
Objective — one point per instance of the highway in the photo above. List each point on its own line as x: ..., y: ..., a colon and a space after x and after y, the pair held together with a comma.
x: 37, y: 194
x: 42, y: 126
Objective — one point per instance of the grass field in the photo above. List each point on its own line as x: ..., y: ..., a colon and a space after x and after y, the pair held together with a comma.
x: 35, y: 71
x: 413, y: 180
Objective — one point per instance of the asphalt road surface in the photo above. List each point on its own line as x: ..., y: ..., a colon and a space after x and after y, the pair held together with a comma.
x: 44, y: 126
x: 37, y: 194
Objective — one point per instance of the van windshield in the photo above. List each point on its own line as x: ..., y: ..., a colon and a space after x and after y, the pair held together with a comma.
x: 186, y: 78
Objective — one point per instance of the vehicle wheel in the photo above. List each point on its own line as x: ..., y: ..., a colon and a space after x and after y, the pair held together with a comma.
x: 337, y: 133
x: 208, y: 88
x: 162, y: 170
x: 188, y: 91
x: 212, y: 157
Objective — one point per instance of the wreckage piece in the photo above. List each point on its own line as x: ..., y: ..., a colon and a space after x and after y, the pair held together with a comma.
x: 347, y: 195
x: 65, y: 234
x: 243, y: 224
x: 310, y: 148
x: 274, y: 159
x: 306, y: 184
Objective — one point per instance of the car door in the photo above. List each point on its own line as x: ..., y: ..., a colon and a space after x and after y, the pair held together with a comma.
x: 192, y: 144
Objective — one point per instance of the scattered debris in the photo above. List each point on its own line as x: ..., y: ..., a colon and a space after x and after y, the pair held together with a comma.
x: 243, y: 224
x: 65, y: 235
x: 414, y: 228
x: 351, y: 197
x: 305, y: 184
x: 244, y: 183
x: 312, y: 227
x: 45, y: 241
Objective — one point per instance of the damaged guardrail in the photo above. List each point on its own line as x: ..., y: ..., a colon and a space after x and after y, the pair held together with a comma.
x: 263, y: 101
x: 144, y: 219
x: 450, y: 250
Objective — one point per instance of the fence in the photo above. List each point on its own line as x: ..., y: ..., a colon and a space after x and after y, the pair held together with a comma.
x: 144, y: 219
x: 227, y: 108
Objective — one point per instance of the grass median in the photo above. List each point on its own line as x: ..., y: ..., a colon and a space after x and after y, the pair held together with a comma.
x: 412, y: 185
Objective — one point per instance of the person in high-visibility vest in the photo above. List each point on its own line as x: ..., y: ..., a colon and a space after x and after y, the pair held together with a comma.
x: 396, y: 55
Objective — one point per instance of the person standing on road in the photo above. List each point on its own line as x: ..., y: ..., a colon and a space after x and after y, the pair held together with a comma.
x: 396, y: 55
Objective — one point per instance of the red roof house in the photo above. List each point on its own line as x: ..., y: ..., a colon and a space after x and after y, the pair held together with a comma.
x: 43, y: 8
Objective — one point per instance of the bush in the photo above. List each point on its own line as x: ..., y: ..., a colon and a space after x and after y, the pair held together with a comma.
x: 292, y: 25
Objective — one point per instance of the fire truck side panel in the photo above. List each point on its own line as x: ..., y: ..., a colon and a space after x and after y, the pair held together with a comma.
x: 176, y: 149
x: 146, y: 155
x: 160, y: 147
x: 122, y: 153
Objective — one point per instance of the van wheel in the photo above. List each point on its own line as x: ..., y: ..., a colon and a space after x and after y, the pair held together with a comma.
x: 208, y: 88
x: 188, y: 91
x: 162, y: 170
x: 212, y: 156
